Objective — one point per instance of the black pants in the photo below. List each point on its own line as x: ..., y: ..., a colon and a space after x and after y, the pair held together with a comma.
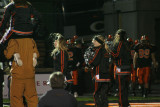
x: 101, y: 95
x: 80, y: 81
x: 123, y: 84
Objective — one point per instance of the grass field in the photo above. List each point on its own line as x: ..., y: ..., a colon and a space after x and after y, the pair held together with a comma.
x: 111, y: 99
x: 116, y: 99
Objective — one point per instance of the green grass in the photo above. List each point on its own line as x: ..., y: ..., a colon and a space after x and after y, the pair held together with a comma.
x: 111, y: 98
x: 90, y: 98
x: 145, y: 99
x: 85, y: 99
x: 5, y: 100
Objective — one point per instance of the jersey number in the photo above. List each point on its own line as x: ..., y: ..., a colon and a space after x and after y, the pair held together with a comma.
x: 132, y: 53
x: 144, y: 53
x: 70, y: 56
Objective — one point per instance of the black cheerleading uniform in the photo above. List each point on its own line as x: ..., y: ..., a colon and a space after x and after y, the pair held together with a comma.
x: 74, y: 56
x: 122, y: 58
x: 61, y: 63
x: 73, y: 64
x: 100, y: 62
x: 21, y: 20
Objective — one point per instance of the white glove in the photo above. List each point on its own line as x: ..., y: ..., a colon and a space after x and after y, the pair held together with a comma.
x: 17, y: 59
x: 34, y: 59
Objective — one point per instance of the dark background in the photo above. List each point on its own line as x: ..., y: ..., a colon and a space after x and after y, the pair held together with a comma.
x: 80, y: 13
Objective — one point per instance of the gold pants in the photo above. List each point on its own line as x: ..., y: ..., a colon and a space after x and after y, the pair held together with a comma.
x: 20, y: 88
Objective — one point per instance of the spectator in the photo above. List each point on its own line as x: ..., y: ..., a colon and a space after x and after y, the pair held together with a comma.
x: 57, y: 97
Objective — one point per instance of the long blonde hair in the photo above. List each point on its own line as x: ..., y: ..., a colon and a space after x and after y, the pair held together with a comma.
x: 100, y: 37
x: 61, y: 42
x: 120, y: 35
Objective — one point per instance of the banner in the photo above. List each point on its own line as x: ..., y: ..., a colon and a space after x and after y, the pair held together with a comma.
x: 41, y: 85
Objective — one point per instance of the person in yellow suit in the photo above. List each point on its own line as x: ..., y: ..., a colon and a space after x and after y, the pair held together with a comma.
x: 25, y: 53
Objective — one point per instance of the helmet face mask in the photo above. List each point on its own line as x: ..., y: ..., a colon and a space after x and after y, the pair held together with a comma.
x: 136, y: 42
x: 144, y: 39
x: 130, y: 41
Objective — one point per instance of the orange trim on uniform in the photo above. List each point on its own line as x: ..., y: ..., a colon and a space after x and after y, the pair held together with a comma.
x: 115, y: 67
x: 123, y: 73
x: 22, y: 32
x: 69, y: 80
x: 120, y: 99
x: 21, y: 6
x: 10, y: 33
x: 137, y: 72
x: 133, y: 74
x: 94, y: 56
x: 96, y: 70
x: 118, y: 50
x: 75, y: 77
x: 103, y: 80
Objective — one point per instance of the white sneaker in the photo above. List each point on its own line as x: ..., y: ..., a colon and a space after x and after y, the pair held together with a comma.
x: 139, y: 87
x: 75, y: 94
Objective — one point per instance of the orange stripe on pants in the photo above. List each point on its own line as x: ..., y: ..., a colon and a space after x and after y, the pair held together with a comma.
x: 75, y: 77
x: 115, y: 67
x: 133, y: 74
